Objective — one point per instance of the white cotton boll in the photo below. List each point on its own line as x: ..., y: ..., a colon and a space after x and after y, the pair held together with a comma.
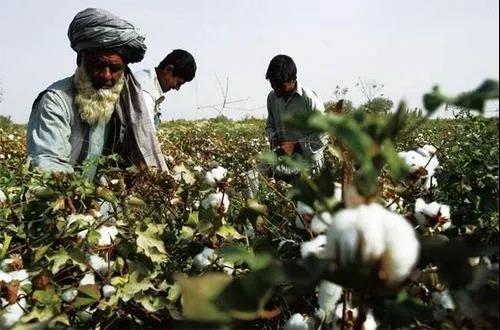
x: 215, y: 175
x: 69, y: 295
x: 474, y: 261
x: 215, y: 200
x: 98, y: 263
x: 299, y: 322
x: 424, y: 210
x: 5, y: 277
x: 321, y: 222
x: 343, y: 236
x: 87, y: 279
x: 328, y: 295
x: 401, y: 248
x: 305, y: 212
x: 443, y: 299
x: 19, y: 275
x: 108, y: 290
x: 413, y: 159
x: 430, y: 149
x: 340, y: 308
x: 108, y: 234
x: 299, y: 224
x: 370, y: 322
x: 315, y: 247
x: 204, y: 259
x: 12, y: 314
x: 198, y: 168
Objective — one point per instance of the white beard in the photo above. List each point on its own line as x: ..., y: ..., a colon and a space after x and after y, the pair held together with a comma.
x: 95, y: 105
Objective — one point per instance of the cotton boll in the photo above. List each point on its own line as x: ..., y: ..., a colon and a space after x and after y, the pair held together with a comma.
x: 328, y: 295
x: 215, y: 175
x: 12, y: 314
x: 343, y: 236
x: 19, y: 275
x: 401, y: 250
x: 370, y: 322
x: 215, y: 200
x: 337, y: 192
x: 87, y: 279
x: 107, y: 235
x: 108, y: 290
x: 227, y: 267
x: 204, y: 259
x: 69, y: 295
x: 321, y: 222
x: 314, y: 247
x: 98, y: 263
x: 82, y: 234
x: 432, y: 213
x: 299, y: 322
x: 5, y: 277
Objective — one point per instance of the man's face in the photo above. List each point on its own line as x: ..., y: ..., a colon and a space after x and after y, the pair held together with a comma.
x: 285, y: 89
x: 168, y: 80
x: 104, y: 68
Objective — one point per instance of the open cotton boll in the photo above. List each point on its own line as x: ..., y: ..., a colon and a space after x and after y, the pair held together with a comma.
x: 19, y: 275
x: 328, y: 295
x: 321, y: 222
x: 98, y: 263
x: 401, y: 248
x: 108, y: 290
x: 432, y: 213
x: 69, y: 295
x: 107, y: 235
x: 299, y: 322
x: 12, y: 314
x: 215, y: 175
x: 343, y: 236
x: 204, y: 259
x: 5, y: 277
x: 337, y: 192
x: 215, y: 200
x: 87, y: 279
x: 315, y: 247
x: 370, y: 322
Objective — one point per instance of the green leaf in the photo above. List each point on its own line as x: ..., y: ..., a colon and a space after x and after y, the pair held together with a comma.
x: 5, y: 245
x: 58, y: 260
x: 240, y: 254
x: 150, y: 244
x: 228, y: 233
x: 93, y: 237
x: 198, y: 294
x: 46, y: 297
x: 40, y: 252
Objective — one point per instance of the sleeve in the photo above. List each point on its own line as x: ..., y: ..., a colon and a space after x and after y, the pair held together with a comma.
x: 270, y: 126
x: 316, y: 141
x: 48, y: 134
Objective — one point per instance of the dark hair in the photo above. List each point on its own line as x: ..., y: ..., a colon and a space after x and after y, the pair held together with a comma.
x: 281, y: 69
x: 183, y: 63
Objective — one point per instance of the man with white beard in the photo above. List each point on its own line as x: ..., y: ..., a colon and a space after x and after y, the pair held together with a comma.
x: 98, y: 110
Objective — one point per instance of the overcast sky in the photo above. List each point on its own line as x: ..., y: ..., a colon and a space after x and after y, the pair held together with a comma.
x: 406, y: 46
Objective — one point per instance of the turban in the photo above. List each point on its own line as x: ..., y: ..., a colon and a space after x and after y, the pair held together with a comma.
x: 95, y: 28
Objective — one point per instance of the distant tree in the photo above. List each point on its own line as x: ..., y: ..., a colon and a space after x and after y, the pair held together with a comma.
x: 347, y: 106
x: 377, y: 105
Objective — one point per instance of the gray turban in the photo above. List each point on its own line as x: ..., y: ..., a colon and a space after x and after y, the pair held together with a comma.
x: 95, y: 28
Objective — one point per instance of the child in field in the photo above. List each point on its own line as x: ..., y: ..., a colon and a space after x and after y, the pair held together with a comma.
x: 287, y: 99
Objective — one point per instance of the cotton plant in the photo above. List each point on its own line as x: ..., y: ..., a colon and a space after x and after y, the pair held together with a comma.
x: 422, y: 163
x: 432, y: 214
x: 375, y: 234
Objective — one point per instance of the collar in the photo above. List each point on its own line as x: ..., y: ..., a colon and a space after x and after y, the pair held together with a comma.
x: 298, y: 89
x: 159, y: 97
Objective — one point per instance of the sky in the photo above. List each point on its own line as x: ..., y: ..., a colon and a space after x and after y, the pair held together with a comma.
x: 407, y: 47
